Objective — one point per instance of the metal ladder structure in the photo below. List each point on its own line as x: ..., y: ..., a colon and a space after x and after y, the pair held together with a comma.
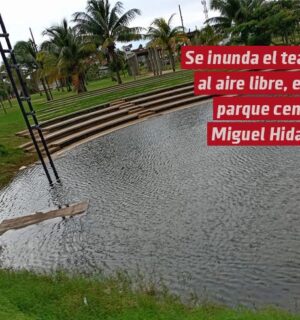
x: 24, y: 101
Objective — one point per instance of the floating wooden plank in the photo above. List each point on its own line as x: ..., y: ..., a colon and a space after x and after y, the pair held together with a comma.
x: 25, y: 221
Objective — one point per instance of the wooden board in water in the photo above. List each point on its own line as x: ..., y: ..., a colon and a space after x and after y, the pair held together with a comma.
x: 22, y: 222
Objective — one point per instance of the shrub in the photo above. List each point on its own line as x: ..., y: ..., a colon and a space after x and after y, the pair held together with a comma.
x: 3, y: 151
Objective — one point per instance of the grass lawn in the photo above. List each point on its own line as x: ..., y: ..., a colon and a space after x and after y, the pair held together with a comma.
x: 12, y: 158
x: 25, y: 296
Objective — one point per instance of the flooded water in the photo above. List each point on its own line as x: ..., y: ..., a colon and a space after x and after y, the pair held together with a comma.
x: 223, y: 223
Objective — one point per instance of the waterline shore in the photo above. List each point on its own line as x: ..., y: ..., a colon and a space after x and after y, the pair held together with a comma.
x: 27, y: 296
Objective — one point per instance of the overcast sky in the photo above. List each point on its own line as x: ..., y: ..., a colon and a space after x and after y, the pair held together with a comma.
x: 19, y: 15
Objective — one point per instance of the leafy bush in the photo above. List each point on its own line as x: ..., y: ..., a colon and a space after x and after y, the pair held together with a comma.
x: 3, y: 151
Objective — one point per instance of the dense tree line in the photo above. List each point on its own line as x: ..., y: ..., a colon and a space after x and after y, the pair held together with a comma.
x: 257, y: 22
x: 91, y: 38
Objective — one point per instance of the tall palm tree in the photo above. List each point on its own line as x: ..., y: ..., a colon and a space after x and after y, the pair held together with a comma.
x: 26, y: 54
x: 235, y: 17
x: 163, y: 34
x: 68, y: 52
x: 108, y: 24
x: 230, y: 13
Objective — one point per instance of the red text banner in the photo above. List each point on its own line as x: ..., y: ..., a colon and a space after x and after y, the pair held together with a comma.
x: 222, y: 83
x: 240, y: 57
x: 253, y: 134
x: 256, y: 108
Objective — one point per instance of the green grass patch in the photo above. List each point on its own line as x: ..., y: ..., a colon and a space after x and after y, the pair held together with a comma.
x: 11, y: 157
x: 116, y: 95
x: 25, y: 296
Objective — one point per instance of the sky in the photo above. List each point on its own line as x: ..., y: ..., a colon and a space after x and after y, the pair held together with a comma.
x: 19, y: 15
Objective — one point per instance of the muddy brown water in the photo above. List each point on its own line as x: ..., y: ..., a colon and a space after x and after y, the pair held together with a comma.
x: 223, y: 223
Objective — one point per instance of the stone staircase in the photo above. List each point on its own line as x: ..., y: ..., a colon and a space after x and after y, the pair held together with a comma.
x: 66, y: 130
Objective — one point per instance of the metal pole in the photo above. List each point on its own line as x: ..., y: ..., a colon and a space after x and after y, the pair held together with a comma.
x: 205, y: 9
x: 181, y: 17
x: 33, y: 40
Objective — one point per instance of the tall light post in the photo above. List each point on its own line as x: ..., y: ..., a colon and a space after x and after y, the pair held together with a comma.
x: 181, y: 17
x: 205, y: 9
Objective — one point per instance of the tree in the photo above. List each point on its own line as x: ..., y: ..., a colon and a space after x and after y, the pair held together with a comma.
x: 283, y: 20
x: 163, y: 34
x: 206, y: 36
x: 230, y: 13
x: 257, y: 22
x: 106, y: 25
x: 3, y: 95
x: 236, y: 18
x: 26, y: 54
x: 254, y: 30
x: 67, y: 52
x: 6, y: 91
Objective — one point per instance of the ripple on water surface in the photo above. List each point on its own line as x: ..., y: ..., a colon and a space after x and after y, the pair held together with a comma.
x: 221, y: 222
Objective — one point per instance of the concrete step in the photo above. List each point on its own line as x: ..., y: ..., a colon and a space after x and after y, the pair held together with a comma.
x: 47, y: 115
x: 74, y: 114
x: 117, y: 102
x: 80, y: 118
x: 92, y: 131
x: 25, y: 145
x: 70, y: 122
x: 26, y: 134
x: 69, y: 135
x: 76, y: 99
x: 80, y: 126
x: 170, y: 98
x: 64, y: 104
x: 126, y: 105
x: 179, y: 103
x: 186, y: 88
x: 52, y: 149
x: 145, y: 113
x: 71, y: 118
x: 135, y: 109
x: 145, y: 97
x: 158, y: 91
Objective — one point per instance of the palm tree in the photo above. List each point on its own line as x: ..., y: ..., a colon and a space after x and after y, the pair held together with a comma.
x: 230, y: 13
x: 26, y: 54
x: 206, y: 36
x: 106, y: 25
x: 163, y: 34
x: 237, y: 18
x: 68, y: 52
